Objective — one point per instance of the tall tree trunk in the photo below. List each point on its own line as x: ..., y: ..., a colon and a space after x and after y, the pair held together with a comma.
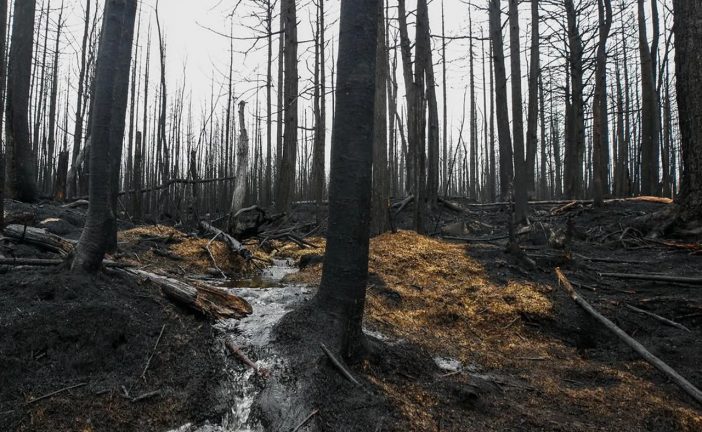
x: 575, y: 123
x: 600, y: 121
x: 650, y: 152
x: 342, y: 291
x: 51, y: 141
x: 286, y: 185
x: 165, y: 164
x: 410, y: 90
x: 533, y: 113
x: 503, y: 133
x: 687, y: 26
x: 319, y: 154
x: 520, y: 180
x: 115, y: 52
x: 267, y: 191
x: 379, y: 207
x: 3, y: 77
x: 20, y: 172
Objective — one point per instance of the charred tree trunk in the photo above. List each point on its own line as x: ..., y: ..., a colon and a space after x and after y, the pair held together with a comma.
x: 3, y: 77
x: 286, y: 179
x: 320, y: 130
x: 650, y: 152
x: 520, y: 180
x: 379, y: 211
x: 600, y: 121
x: 53, y: 104
x: 115, y: 45
x: 342, y: 291
x: 533, y: 114
x: 575, y: 123
x: 503, y: 133
x: 688, y: 67
x: 20, y: 172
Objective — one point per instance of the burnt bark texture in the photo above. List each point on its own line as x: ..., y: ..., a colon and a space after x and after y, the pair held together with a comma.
x: 20, y: 166
x: 688, y: 66
x: 343, y: 288
x: 600, y: 121
x: 503, y: 133
x: 107, y: 132
x: 286, y: 178
x: 379, y: 216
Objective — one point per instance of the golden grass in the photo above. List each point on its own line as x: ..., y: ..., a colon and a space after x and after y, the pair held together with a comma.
x: 451, y: 307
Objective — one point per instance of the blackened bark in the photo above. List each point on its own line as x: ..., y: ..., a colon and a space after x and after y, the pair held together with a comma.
x: 533, y: 113
x: 600, y: 122
x: 650, y: 152
x: 3, y: 76
x: 503, y: 133
x: 20, y: 172
x: 575, y: 115
x: 379, y: 211
x: 687, y: 26
x: 286, y: 178
x: 115, y: 44
x: 520, y: 180
x: 343, y: 288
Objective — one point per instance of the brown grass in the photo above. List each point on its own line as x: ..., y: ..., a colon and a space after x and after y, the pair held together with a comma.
x: 450, y: 307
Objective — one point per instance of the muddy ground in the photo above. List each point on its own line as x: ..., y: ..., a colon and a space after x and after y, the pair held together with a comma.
x: 466, y: 336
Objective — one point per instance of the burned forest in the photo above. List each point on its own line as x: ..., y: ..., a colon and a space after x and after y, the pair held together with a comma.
x: 350, y: 215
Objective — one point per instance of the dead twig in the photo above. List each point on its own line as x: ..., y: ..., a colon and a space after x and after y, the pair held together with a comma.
x: 339, y: 365
x: 304, y: 422
x: 148, y: 395
x: 658, y: 317
x: 148, y: 362
x: 655, y: 278
x: 245, y: 359
x: 46, y: 396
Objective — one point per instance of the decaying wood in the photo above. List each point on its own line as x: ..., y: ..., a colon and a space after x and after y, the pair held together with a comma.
x: 659, y: 318
x: 402, y: 204
x: 39, y: 237
x: 684, y: 384
x: 655, y: 278
x: 214, y: 302
x: 233, y: 244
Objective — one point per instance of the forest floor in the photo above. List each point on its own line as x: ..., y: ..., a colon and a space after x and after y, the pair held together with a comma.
x: 477, y: 338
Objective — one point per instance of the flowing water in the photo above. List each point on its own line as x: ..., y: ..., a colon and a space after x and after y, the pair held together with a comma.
x: 270, y: 299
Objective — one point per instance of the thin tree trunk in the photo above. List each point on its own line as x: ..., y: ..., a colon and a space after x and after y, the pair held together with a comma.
x: 600, y: 126
x: 379, y: 206
x: 503, y: 133
x: 520, y: 180
x: 533, y: 113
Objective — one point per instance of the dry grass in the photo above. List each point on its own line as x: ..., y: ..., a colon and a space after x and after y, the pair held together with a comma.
x: 450, y: 307
x: 191, y: 250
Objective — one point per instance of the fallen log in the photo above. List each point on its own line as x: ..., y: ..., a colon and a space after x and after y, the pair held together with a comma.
x: 655, y: 278
x: 233, y: 244
x: 215, y: 302
x: 402, y: 204
x: 37, y: 262
x: 684, y: 384
x: 39, y: 237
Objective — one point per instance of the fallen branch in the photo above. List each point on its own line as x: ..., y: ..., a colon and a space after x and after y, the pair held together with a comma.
x: 235, y: 350
x: 148, y: 362
x: 339, y: 365
x: 46, y: 396
x: 233, y: 244
x: 215, y: 302
x: 402, y: 204
x: 658, y: 317
x: 690, y: 389
x: 304, y: 422
x: 38, y: 262
x: 655, y: 278
x: 148, y: 395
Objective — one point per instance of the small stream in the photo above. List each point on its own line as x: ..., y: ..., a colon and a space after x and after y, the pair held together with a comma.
x: 270, y: 299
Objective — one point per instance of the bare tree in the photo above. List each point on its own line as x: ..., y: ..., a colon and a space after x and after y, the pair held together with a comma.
x: 503, y: 133
x: 600, y: 126
x: 688, y: 67
x: 20, y: 172
x: 379, y: 206
x: 115, y: 50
